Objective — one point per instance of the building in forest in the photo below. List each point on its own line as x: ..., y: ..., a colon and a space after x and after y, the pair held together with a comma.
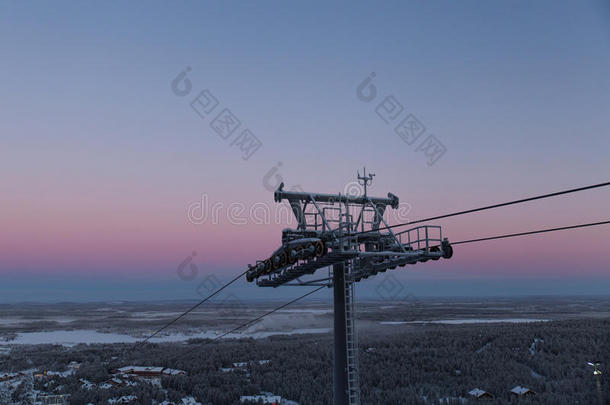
x: 141, y: 371
x: 480, y: 394
x: 265, y: 397
x: 125, y: 399
x: 11, y: 376
x: 522, y: 391
x: 49, y: 399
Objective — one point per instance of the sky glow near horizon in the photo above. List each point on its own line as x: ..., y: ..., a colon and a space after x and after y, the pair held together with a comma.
x: 101, y: 160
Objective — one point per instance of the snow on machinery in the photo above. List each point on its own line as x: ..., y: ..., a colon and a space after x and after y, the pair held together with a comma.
x: 334, y: 228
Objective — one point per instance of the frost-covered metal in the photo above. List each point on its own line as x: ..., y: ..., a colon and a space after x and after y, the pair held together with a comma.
x: 347, y: 234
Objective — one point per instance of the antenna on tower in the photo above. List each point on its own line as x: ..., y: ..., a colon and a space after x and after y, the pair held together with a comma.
x: 364, y: 180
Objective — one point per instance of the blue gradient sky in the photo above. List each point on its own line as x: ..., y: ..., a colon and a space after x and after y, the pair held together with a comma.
x: 100, y: 160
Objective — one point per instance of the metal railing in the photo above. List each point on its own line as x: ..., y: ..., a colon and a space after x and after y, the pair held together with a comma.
x: 421, y: 237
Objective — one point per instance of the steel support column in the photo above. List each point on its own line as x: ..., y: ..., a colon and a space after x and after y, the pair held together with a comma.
x: 340, y: 357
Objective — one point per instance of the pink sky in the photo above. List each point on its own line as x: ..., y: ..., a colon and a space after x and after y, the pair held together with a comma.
x: 100, y: 158
x: 74, y: 233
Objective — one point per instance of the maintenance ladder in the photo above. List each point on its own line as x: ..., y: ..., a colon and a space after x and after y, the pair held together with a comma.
x: 353, y: 382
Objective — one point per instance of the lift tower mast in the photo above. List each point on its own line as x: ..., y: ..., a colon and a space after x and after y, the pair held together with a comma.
x: 343, y: 233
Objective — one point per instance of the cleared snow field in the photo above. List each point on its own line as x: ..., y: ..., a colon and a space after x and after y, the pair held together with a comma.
x: 74, y: 337
x: 307, y: 311
x: 466, y: 321
x: 69, y: 337
x: 17, y: 321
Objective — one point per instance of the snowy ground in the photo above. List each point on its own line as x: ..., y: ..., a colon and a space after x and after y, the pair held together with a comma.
x: 466, y: 321
x: 74, y: 337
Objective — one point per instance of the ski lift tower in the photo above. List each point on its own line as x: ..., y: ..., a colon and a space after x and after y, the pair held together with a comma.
x: 344, y: 234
